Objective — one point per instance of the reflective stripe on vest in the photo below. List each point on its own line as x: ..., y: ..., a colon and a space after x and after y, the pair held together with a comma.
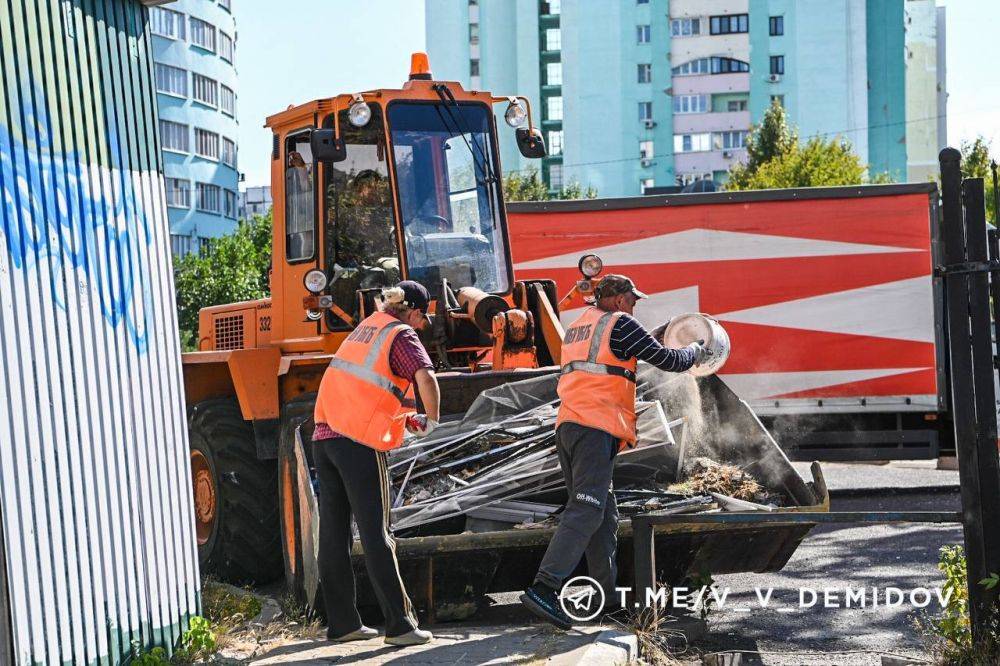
x: 364, y: 371
x: 591, y: 365
x: 596, y: 388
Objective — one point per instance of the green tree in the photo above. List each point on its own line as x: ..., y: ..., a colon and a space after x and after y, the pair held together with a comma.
x: 234, y: 268
x: 776, y: 159
x: 520, y: 186
x: 976, y: 163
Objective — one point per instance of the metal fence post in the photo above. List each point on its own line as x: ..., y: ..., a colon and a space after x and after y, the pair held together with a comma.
x: 972, y: 395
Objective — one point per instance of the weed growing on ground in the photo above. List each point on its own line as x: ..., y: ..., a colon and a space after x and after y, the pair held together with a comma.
x: 949, y: 635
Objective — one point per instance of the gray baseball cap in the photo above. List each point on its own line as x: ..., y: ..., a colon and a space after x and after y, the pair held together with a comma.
x: 613, y: 284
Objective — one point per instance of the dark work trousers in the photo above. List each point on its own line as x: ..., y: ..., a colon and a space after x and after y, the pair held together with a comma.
x: 589, y: 524
x: 353, y: 480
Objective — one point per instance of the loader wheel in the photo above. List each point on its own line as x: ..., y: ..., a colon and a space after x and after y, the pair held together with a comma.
x: 296, y: 412
x: 235, y: 496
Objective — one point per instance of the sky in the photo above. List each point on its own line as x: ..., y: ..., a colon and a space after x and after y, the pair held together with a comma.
x: 338, y: 46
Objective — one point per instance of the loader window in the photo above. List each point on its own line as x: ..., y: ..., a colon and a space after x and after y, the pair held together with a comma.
x: 360, y: 236
x: 447, y: 175
x: 300, y: 207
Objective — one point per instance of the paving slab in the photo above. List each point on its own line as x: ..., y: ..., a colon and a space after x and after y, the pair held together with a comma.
x: 536, y: 644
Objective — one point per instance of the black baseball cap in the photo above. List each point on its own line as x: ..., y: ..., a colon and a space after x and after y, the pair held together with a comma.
x: 415, y: 295
x: 613, y: 285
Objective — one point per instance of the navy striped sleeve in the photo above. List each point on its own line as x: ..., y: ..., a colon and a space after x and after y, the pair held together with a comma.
x: 630, y: 340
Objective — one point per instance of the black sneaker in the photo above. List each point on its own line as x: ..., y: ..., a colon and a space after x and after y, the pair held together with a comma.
x: 543, y: 601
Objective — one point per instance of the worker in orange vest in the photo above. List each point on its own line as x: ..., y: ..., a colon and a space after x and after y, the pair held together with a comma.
x: 362, y: 411
x: 600, y: 353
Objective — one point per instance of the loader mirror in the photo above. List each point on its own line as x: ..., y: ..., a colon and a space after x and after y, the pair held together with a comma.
x: 530, y: 142
x: 326, y: 147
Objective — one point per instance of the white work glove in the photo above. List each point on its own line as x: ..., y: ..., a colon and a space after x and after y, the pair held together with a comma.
x: 420, y: 425
x: 701, y: 352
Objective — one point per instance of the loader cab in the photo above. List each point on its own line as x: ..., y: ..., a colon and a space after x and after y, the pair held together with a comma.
x: 388, y: 185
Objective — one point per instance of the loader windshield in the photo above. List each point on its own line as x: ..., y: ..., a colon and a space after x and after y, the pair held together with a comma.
x: 447, y: 171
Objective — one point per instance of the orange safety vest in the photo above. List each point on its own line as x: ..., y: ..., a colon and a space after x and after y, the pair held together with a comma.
x: 360, y: 397
x: 597, y: 389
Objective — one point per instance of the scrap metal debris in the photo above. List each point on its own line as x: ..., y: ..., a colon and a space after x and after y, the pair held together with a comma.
x: 503, y: 452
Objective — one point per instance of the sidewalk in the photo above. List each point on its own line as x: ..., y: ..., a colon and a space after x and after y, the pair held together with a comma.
x: 896, y: 477
x: 454, y: 644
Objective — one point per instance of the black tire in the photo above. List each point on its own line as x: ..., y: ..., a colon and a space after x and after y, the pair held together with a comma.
x: 296, y: 412
x: 245, y: 545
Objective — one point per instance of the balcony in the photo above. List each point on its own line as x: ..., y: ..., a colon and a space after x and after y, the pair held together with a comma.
x: 690, y: 123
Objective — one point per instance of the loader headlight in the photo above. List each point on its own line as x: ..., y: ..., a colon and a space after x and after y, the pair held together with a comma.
x: 516, y: 115
x: 591, y: 265
x: 315, y: 281
x: 359, y: 114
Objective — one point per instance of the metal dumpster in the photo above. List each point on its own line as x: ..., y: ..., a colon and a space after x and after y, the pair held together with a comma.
x: 447, y: 575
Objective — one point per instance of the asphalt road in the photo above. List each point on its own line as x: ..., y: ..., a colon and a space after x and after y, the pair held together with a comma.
x: 835, y: 557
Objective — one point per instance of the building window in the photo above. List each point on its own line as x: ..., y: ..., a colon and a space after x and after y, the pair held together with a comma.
x: 552, y: 7
x: 555, y: 176
x: 645, y: 73
x: 642, y: 2
x: 166, y: 23
x: 473, y: 33
x: 693, y: 67
x: 685, y: 27
x: 778, y: 99
x: 228, y: 99
x: 778, y: 64
x: 208, y: 198
x: 691, y: 104
x: 180, y: 245
x: 736, y: 105
x: 174, y: 136
x: 692, y: 143
x: 205, y: 244
x: 206, y: 144
x: 553, y: 74
x: 202, y: 34
x: 646, y: 150
x: 642, y: 34
x: 226, y: 4
x: 555, y: 142
x: 688, y: 178
x: 729, y: 66
x: 226, y: 50
x: 553, y: 39
x: 645, y: 110
x: 645, y: 184
x: 554, y: 106
x: 777, y: 26
x: 178, y: 192
x: 229, y: 152
x: 230, y: 210
x: 474, y: 67
x: 728, y: 25
x: 205, y: 89
x: 730, y: 140
x: 171, y: 80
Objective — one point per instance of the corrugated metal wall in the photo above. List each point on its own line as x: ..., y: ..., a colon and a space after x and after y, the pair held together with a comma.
x: 94, y: 473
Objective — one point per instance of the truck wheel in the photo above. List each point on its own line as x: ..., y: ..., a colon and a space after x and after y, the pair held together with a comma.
x: 235, y: 496
x: 296, y: 412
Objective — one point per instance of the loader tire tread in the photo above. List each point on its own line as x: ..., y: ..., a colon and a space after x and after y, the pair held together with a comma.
x: 248, y: 547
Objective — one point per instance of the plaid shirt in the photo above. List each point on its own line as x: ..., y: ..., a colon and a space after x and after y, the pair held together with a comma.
x: 406, y: 356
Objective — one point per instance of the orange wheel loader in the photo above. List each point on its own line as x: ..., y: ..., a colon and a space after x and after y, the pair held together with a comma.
x: 369, y: 188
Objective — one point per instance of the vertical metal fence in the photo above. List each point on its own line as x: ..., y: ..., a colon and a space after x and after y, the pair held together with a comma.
x: 94, y: 479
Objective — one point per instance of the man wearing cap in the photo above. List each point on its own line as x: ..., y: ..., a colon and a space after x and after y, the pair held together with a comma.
x: 362, y: 410
x: 600, y: 353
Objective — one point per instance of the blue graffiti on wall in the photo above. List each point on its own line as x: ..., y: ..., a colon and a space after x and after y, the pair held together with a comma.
x: 78, y: 222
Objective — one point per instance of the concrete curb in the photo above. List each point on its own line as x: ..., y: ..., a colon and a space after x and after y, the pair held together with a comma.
x: 890, y: 492
x: 608, y: 647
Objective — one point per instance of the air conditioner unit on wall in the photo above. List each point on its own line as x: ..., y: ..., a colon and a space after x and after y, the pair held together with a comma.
x: 649, y: 123
x: 727, y: 153
x: 646, y: 162
x: 773, y: 78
